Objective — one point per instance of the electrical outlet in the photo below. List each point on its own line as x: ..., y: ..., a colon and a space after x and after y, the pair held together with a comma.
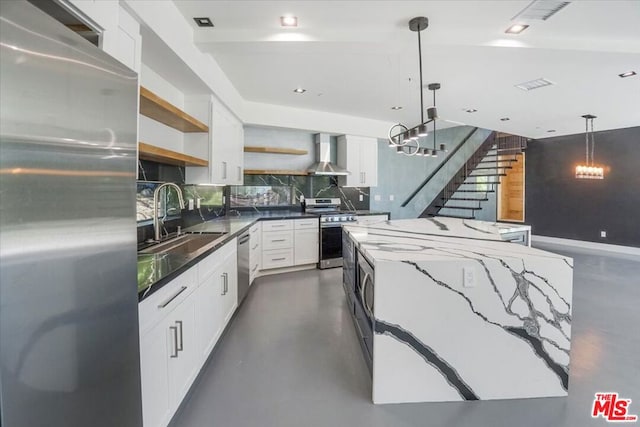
x: 198, y: 202
x: 361, y: 198
x: 391, y: 197
x: 469, y: 277
x: 603, y: 234
x: 377, y: 198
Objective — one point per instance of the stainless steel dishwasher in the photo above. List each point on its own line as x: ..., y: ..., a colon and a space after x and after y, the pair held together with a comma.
x: 243, y: 266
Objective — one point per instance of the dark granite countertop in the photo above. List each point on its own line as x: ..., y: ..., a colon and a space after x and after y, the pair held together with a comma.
x: 156, y: 270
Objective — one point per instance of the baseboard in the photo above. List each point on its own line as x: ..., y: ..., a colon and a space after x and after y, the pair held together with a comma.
x: 587, y: 245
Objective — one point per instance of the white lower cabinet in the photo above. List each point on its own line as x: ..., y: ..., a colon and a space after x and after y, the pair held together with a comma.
x: 306, y: 241
x: 179, y: 326
x: 255, y: 250
x: 288, y: 243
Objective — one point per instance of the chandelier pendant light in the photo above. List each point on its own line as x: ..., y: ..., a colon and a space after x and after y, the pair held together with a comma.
x: 589, y: 170
x: 406, y: 140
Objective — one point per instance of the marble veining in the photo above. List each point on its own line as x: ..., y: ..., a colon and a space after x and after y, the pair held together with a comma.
x: 508, y: 333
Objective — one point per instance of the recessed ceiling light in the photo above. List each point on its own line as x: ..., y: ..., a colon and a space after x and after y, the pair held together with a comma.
x: 396, y: 107
x: 289, y: 21
x: 627, y: 74
x: 203, y: 22
x: 505, y: 119
x: 516, y: 28
x: 470, y: 110
x: 551, y: 130
x: 534, y: 84
x: 299, y: 90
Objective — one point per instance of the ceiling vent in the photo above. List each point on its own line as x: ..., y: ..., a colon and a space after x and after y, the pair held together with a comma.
x: 540, y: 10
x: 534, y: 84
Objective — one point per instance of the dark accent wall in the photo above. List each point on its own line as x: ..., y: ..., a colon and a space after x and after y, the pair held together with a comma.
x: 559, y: 205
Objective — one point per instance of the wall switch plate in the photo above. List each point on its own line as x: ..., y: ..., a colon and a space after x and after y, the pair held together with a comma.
x: 469, y: 277
x: 391, y: 197
x: 377, y: 198
x: 198, y: 202
x: 190, y: 204
x: 361, y: 198
x: 603, y: 233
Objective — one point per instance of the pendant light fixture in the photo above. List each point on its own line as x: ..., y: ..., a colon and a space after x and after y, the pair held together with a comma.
x: 406, y: 140
x: 589, y: 170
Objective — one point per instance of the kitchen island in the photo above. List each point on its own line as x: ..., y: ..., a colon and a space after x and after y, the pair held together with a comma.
x: 457, y: 313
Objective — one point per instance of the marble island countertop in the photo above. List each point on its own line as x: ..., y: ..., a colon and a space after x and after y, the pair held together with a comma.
x: 460, y: 314
x: 434, y: 238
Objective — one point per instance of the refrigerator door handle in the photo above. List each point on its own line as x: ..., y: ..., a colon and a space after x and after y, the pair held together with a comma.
x: 175, y: 341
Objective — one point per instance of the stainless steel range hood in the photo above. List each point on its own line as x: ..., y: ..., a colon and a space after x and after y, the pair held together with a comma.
x: 323, y: 166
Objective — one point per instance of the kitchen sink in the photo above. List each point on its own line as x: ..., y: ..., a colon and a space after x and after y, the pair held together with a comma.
x: 186, y: 244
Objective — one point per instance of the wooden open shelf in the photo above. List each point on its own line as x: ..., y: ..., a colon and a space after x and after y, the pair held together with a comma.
x: 156, y: 108
x: 274, y: 172
x: 161, y: 155
x: 275, y: 150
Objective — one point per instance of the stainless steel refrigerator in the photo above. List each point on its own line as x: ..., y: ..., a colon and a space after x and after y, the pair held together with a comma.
x: 69, y: 351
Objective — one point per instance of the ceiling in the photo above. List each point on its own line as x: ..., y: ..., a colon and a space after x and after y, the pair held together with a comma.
x: 359, y: 58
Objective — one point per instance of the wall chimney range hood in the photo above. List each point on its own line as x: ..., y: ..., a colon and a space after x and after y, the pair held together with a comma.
x: 323, y: 165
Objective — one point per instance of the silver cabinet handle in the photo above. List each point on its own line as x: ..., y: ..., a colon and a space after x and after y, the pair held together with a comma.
x: 175, y: 341
x: 278, y: 240
x: 239, y: 174
x: 226, y: 283
x: 255, y: 247
x: 254, y: 268
x: 363, y: 298
x: 223, y: 286
x: 168, y: 301
x: 224, y: 170
x: 364, y: 177
x: 179, y: 347
x: 278, y: 225
x: 278, y: 259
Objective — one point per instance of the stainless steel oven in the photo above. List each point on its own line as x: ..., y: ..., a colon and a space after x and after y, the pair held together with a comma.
x: 331, y: 220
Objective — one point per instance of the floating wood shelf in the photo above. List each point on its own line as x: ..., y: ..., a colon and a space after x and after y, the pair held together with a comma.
x: 161, y: 155
x: 156, y: 108
x: 275, y: 150
x: 274, y: 172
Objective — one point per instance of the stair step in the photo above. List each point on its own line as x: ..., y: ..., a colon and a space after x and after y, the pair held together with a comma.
x: 469, y: 208
x: 505, y: 150
x: 456, y: 216
x: 487, y: 174
x: 475, y: 191
x: 467, y: 199
x: 491, y: 156
x: 494, y: 167
x: 476, y: 183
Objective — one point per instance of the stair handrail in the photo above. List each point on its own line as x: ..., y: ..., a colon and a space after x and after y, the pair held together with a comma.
x: 440, y: 166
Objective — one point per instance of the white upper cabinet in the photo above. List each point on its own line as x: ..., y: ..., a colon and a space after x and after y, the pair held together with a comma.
x: 359, y: 155
x: 225, y: 150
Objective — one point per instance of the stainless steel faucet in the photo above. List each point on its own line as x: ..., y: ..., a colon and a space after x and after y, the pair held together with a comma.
x: 156, y: 193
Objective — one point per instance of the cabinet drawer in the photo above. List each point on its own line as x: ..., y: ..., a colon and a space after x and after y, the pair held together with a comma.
x: 210, y: 263
x: 277, y: 258
x: 279, y: 225
x: 306, y: 224
x: 154, y: 308
x: 277, y: 240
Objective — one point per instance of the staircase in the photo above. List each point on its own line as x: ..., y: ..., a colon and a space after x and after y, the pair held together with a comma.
x: 464, y: 194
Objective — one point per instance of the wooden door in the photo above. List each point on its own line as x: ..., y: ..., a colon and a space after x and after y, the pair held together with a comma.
x: 511, y: 191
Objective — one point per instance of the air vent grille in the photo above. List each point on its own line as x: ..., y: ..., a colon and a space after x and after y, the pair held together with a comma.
x: 534, y: 84
x: 540, y: 10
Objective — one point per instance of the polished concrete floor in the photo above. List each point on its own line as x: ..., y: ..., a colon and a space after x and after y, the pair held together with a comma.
x: 290, y: 358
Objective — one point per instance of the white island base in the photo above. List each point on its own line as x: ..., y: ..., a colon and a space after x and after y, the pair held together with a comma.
x: 462, y: 315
